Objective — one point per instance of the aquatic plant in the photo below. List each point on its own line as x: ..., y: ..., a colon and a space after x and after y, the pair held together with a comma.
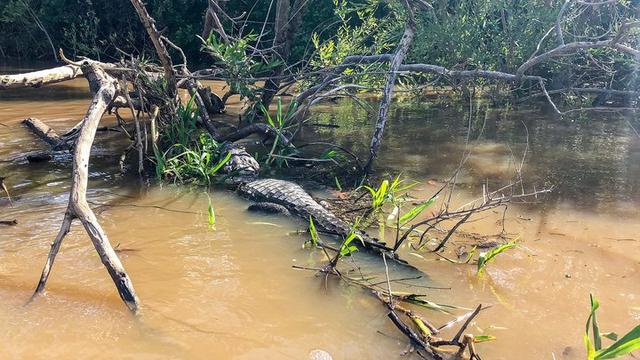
x: 211, y: 214
x: 621, y: 346
x: 280, y: 150
x: 392, y: 193
x: 314, y: 233
x: 192, y: 154
x: 486, y: 257
x: 415, y: 211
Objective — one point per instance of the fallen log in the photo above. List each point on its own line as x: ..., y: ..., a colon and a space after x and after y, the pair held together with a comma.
x: 37, y: 79
x: 72, y: 70
x: 103, y: 87
x: 44, y: 132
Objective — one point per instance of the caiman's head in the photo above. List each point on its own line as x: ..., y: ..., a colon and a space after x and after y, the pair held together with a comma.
x: 241, y: 167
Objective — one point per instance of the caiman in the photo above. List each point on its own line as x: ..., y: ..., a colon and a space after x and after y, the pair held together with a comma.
x: 294, y: 199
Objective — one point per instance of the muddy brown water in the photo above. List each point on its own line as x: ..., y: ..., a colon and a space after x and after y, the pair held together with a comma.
x: 232, y: 293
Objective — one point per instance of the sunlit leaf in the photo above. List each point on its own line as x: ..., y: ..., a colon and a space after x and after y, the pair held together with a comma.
x: 211, y: 215
x: 624, y: 346
x: 483, y: 338
x: 486, y: 257
x: 417, y: 210
x: 313, y: 232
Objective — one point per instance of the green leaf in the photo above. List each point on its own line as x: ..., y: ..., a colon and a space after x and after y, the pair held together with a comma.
x: 220, y: 164
x: 381, y: 193
x: 313, y: 232
x: 591, y: 352
x: 413, y: 213
x: 418, y: 300
x: 211, y: 215
x: 593, y: 323
x: 597, y: 340
x: 483, y: 338
x: 626, y: 344
x: 338, y: 185
x: 348, y: 250
x: 488, y: 256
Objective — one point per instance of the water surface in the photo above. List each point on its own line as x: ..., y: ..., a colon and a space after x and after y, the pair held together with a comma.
x: 232, y: 293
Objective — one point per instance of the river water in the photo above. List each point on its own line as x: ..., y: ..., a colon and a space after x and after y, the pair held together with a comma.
x: 231, y: 292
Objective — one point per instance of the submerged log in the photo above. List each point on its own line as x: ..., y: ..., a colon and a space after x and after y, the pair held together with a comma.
x: 104, y: 89
x: 44, y: 132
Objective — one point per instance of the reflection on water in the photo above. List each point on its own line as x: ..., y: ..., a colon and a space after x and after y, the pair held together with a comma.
x: 592, y: 161
x: 231, y: 292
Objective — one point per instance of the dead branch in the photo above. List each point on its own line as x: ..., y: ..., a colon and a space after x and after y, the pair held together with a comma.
x: 287, y: 21
x: 212, y: 22
x: 104, y: 89
x: 37, y: 79
x: 587, y: 90
x: 573, y: 47
x: 161, y: 50
x: 387, y: 92
x: 72, y: 70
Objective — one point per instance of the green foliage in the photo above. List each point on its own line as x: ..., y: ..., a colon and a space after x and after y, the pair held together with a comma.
x: 366, y: 27
x: 192, y: 156
x: 622, y: 346
x: 415, y: 211
x: 486, y: 257
x: 346, y: 248
x: 387, y: 192
x: 393, y: 193
x: 338, y: 185
x: 313, y: 232
x: 211, y: 215
x: 95, y: 27
x: 239, y: 67
x: 380, y: 195
x: 483, y: 338
x: 278, y: 123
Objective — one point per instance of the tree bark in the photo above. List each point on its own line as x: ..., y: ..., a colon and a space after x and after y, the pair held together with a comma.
x: 104, y: 89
